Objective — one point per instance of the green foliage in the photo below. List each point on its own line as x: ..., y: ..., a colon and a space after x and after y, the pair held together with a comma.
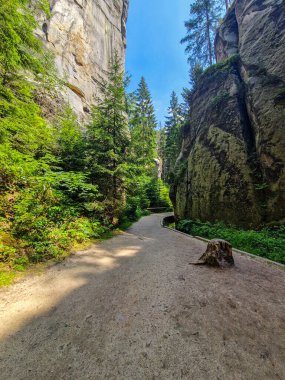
x: 70, y: 145
x: 267, y: 242
x: 47, y: 202
x: 158, y: 194
x: 218, y: 100
x: 6, y: 278
x: 142, y: 126
x: 173, y: 130
x: 185, y: 106
x: 19, y: 48
x: 48, y: 217
x: 7, y: 253
x: 224, y: 66
x: 149, y: 193
x: 107, y: 141
x: 137, y: 199
x: 201, y: 30
x: 25, y: 139
x: 62, y: 184
x: 261, y: 186
x: 44, y: 5
x: 195, y: 75
x: 144, y: 189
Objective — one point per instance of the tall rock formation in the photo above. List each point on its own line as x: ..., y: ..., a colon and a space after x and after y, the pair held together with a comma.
x: 83, y: 35
x: 232, y: 164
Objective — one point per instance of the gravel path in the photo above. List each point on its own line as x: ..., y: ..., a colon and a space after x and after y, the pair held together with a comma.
x: 133, y: 308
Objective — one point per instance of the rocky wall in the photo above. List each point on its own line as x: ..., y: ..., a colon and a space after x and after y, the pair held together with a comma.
x: 232, y: 164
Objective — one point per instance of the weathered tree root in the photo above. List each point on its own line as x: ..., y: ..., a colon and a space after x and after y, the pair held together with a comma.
x: 218, y: 254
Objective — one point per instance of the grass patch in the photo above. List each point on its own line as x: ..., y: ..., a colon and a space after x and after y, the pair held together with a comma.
x: 6, y: 278
x: 266, y: 242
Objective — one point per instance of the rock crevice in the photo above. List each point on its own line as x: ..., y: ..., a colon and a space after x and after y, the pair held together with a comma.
x: 233, y: 157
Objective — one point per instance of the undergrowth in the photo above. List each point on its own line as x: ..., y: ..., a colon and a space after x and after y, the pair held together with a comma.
x: 266, y: 242
x: 62, y: 184
x: 7, y: 277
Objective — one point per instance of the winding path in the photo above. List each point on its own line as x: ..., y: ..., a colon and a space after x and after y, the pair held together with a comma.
x: 133, y: 308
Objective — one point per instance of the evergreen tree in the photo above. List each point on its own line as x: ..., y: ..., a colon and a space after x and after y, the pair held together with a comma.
x: 107, y: 141
x: 62, y: 183
x: 25, y: 137
x: 195, y: 74
x: 185, y: 105
x: 161, y: 141
x: 173, y: 125
x: 201, y: 29
x: 19, y: 48
x: 70, y: 145
x: 161, y: 145
x: 143, y: 126
x: 144, y: 188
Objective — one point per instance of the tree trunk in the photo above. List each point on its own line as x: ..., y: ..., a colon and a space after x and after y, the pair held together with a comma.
x: 227, y: 4
x: 209, y: 38
x: 219, y: 253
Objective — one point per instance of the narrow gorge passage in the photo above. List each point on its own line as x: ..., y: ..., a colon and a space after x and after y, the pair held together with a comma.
x: 133, y: 308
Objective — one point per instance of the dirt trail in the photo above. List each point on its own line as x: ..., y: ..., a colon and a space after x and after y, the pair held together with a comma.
x: 133, y: 308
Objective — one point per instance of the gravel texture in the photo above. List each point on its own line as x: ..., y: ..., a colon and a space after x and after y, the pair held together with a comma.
x: 133, y: 308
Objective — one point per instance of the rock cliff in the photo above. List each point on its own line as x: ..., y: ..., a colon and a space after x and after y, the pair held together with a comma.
x: 83, y: 34
x: 232, y: 164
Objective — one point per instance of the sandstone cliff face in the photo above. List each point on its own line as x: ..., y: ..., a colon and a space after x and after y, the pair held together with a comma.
x: 232, y: 165
x: 83, y: 34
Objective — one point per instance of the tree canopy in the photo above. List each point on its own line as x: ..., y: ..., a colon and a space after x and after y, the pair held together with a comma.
x: 201, y: 30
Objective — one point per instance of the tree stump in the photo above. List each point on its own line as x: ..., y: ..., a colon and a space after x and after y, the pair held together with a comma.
x: 219, y: 254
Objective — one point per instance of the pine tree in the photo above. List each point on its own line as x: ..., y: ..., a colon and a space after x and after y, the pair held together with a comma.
x: 201, y: 28
x: 185, y: 105
x: 173, y: 125
x: 161, y: 145
x: 145, y: 188
x: 70, y: 145
x: 107, y: 141
x: 24, y: 134
x: 195, y: 74
x: 19, y: 48
x: 143, y: 126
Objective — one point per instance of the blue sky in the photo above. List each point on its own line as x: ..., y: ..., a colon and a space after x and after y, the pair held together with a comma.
x: 154, y: 31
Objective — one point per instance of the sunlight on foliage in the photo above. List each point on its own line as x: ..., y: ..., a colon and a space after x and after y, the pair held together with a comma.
x: 63, y: 184
x: 266, y: 242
